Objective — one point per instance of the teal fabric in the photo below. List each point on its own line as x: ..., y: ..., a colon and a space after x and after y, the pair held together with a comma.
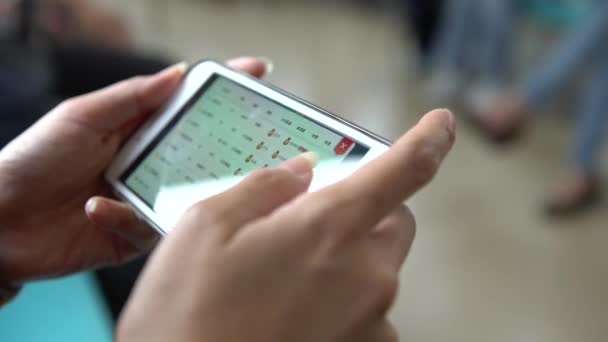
x: 63, y: 310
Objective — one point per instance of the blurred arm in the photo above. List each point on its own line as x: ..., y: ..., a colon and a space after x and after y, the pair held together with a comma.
x: 582, y: 46
x: 92, y: 22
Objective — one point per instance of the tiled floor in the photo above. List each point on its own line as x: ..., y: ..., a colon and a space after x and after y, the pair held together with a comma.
x: 486, y: 266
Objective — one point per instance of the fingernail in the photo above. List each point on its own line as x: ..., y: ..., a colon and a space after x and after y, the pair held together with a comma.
x: 312, y: 157
x: 451, y: 126
x: 268, y: 65
x: 164, y: 83
x: 301, y: 165
x: 180, y: 68
x: 91, y: 205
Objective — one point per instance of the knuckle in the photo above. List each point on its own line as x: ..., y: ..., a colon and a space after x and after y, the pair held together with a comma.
x: 413, y: 224
x: 332, y: 214
x: 206, y: 214
x: 400, y: 225
x: 372, y: 201
x: 367, y: 199
x: 136, y: 85
x: 69, y: 105
x: 192, y: 212
x: 317, y: 217
x: 347, y: 201
x: 136, y: 80
x: 340, y: 199
x: 386, y: 285
x: 202, y: 211
x: 329, y: 213
x: 317, y: 225
x: 268, y: 178
x: 409, y: 222
x: 389, y: 333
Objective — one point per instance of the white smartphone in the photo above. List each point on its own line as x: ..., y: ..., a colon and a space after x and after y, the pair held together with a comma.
x: 219, y: 126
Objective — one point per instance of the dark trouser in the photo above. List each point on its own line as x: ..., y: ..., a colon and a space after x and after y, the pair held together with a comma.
x: 423, y: 18
x: 23, y: 95
x: 75, y: 70
x: 117, y: 283
x: 80, y: 69
x: 65, y: 71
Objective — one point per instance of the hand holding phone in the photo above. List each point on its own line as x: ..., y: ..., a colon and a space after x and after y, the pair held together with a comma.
x: 267, y: 261
x: 48, y: 173
x: 220, y: 126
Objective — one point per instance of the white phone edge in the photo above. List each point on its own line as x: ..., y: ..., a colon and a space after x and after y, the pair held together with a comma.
x: 195, y: 78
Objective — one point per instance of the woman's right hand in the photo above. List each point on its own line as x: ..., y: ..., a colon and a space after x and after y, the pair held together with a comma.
x: 267, y: 261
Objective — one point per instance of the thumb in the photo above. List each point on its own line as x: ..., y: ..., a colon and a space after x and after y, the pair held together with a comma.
x: 262, y: 192
x: 118, y: 218
x: 112, y: 108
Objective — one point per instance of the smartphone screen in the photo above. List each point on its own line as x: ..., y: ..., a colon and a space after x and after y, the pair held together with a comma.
x: 225, y: 131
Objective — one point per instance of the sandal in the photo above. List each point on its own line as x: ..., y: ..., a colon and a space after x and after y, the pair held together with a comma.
x: 569, y: 205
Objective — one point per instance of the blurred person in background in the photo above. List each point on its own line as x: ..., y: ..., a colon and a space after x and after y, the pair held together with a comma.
x: 583, y: 49
x: 56, y: 49
x: 473, y: 47
x: 422, y: 18
x: 68, y: 21
x: 23, y: 75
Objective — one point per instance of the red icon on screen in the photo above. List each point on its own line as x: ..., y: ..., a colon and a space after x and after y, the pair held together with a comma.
x: 343, y: 146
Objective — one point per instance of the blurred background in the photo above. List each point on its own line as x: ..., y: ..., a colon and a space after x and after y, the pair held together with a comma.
x: 512, y: 235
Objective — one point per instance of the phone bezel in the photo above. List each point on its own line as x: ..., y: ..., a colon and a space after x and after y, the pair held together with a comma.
x: 196, y: 77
